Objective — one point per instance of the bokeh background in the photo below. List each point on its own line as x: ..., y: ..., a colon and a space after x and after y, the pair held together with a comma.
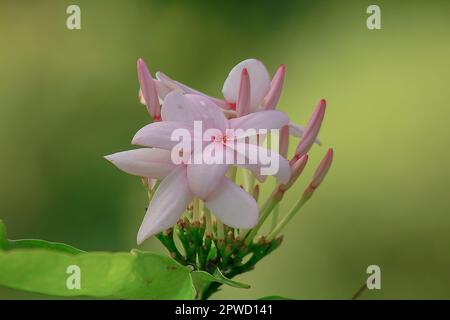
x: 67, y: 98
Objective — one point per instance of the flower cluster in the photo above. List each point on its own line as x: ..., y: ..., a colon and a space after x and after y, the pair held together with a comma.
x: 215, y: 218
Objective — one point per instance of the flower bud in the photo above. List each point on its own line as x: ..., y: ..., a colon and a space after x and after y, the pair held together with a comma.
x: 272, y: 97
x: 243, y: 100
x: 312, y: 130
x: 320, y: 173
x: 296, y: 170
x: 284, y: 141
x: 148, y: 90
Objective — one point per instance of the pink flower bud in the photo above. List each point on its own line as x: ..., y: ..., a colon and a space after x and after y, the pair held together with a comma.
x: 276, y: 85
x: 320, y: 173
x: 296, y: 170
x: 243, y: 100
x: 312, y: 130
x: 284, y: 141
x: 148, y: 89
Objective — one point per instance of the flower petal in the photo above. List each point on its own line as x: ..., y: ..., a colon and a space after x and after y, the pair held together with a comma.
x: 233, y: 206
x: 159, y: 134
x: 176, y: 107
x: 259, y: 82
x: 169, y: 202
x: 270, y: 119
x: 230, y: 153
x: 178, y: 86
x: 203, y: 178
x: 162, y: 89
x: 145, y: 162
x: 188, y: 108
x: 297, y: 130
x: 254, y: 169
x: 266, y: 161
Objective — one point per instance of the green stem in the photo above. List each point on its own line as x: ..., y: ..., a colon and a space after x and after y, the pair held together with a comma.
x: 151, y: 191
x: 196, y: 210
x: 360, y: 291
x: 208, y: 220
x: 265, y: 212
x: 287, y: 218
x: 220, y: 233
x: 275, y: 216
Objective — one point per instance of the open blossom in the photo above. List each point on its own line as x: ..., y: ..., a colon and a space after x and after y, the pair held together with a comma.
x: 249, y: 80
x: 229, y: 202
x: 249, y: 102
x: 225, y: 136
x: 197, y: 152
x: 206, y: 180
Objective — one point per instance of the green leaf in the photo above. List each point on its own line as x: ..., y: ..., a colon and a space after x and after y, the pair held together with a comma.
x: 202, y: 279
x: 135, y: 275
x: 6, y: 244
x: 163, y: 275
x: 35, y: 243
x: 42, y: 266
x: 275, y: 298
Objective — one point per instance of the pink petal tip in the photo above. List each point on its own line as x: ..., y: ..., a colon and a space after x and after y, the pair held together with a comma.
x: 312, y: 129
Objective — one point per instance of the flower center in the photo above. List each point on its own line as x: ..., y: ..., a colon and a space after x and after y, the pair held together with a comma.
x: 220, y: 138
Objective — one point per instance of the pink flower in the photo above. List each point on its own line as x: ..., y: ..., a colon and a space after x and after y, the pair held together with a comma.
x: 182, y: 182
x: 247, y: 82
x: 181, y: 110
x: 229, y: 202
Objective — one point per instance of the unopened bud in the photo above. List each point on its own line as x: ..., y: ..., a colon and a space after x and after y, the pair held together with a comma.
x: 148, y: 90
x: 296, y: 170
x: 243, y: 100
x: 284, y: 141
x: 320, y: 173
x: 312, y: 130
x: 276, y: 85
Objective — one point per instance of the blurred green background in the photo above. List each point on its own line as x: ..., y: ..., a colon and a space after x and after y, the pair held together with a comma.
x: 67, y: 98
